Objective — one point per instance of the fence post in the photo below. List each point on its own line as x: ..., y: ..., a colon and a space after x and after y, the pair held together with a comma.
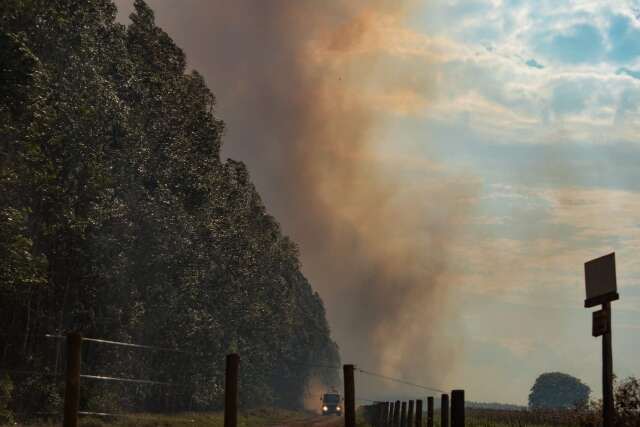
x: 430, y: 411
x: 444, y: 410
x: 396, y: 414
x: 390, y: 419
x: 410, y: 414
x: 403, y: 415
x: 231, y: 390
x: 457, y: 408
x: 349, y: 397
x: 418, y: 422
x: 72, y: 380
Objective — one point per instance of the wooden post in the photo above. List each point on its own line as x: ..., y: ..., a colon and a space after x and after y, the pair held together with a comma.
x: 403, y: 415
x: 383, y: 414
x: 430, y: 411
x: 444, y: 410
x: 410, y: 419
x: 72, y: 380
x: 608, y: 409
x: 390, y: 419
x: 457, y: 408
x: 418, y: 422
x: 349, y: 397
x: 396, y: 414
x: 231, y: 391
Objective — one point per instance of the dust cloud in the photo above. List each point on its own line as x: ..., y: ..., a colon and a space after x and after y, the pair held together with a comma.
x: 305, y: 88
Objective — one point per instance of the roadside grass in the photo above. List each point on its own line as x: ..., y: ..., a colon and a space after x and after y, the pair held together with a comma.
x: 255, y: 418
x: 270, y: 417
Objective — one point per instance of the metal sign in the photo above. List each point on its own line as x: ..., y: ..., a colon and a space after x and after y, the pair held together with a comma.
x: 600, y: 280
x: 600, y: 324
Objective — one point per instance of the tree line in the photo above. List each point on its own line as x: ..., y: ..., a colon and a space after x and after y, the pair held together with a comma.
x: 119, y: 219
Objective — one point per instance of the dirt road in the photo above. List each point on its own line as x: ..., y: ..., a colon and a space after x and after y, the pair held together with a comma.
x: 318, y: 421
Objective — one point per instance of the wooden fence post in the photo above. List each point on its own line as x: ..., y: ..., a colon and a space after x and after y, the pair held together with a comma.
x: 410, y: 419
x: 72, y: 380
x: 349, y: 397
x: 383, y: 414
x: 396, y: 414
x: 444, y: 410
x: 403, y: 415
x: 418, y: 422
x: 390, y: 421
x: 231, y: 390
x: 430, y: 411
x: 457, y: 408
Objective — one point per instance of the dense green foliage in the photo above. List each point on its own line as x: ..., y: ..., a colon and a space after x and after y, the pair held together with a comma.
x: 558, y: 390
x: 118, y: 219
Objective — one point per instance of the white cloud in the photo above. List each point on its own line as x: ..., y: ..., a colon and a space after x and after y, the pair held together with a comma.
x: 490, y: 85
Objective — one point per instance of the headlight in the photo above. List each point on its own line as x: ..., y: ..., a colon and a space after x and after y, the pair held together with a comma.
x: 337, y: 408
x: 324, y: 408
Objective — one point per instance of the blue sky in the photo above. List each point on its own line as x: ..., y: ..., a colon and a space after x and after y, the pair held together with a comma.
x: 537, y: 103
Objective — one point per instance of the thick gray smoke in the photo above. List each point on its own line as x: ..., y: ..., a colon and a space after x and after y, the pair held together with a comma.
x: 299, y: 83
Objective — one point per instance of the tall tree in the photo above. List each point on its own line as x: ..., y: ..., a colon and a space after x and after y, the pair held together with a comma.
x: 558, y: 390
x: 120, y: 220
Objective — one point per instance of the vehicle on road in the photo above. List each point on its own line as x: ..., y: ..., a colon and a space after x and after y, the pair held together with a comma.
x: 331, y: 404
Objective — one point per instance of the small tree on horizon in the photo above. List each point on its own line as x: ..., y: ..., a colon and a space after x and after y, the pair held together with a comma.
x: 555, y: 390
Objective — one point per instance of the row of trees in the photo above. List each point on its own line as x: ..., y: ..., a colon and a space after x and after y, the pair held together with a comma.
x: 119, y: 219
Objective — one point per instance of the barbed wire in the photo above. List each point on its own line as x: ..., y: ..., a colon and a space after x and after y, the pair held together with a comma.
x: 143, y: 346
x: 131, y: 380
x: 103, y: 341
x: 399, y: 380
x: 177, y: 350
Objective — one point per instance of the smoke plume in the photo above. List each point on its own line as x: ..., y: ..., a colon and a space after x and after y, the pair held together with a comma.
x: 305, y: 88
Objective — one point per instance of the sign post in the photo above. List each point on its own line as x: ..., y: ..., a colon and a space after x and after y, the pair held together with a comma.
x: 601, y: 287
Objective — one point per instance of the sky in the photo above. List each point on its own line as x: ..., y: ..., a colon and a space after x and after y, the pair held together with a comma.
x: 524, y: 113
x: 538, y: 102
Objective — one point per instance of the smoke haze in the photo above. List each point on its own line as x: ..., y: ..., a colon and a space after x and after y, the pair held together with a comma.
x: 304, y: 88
